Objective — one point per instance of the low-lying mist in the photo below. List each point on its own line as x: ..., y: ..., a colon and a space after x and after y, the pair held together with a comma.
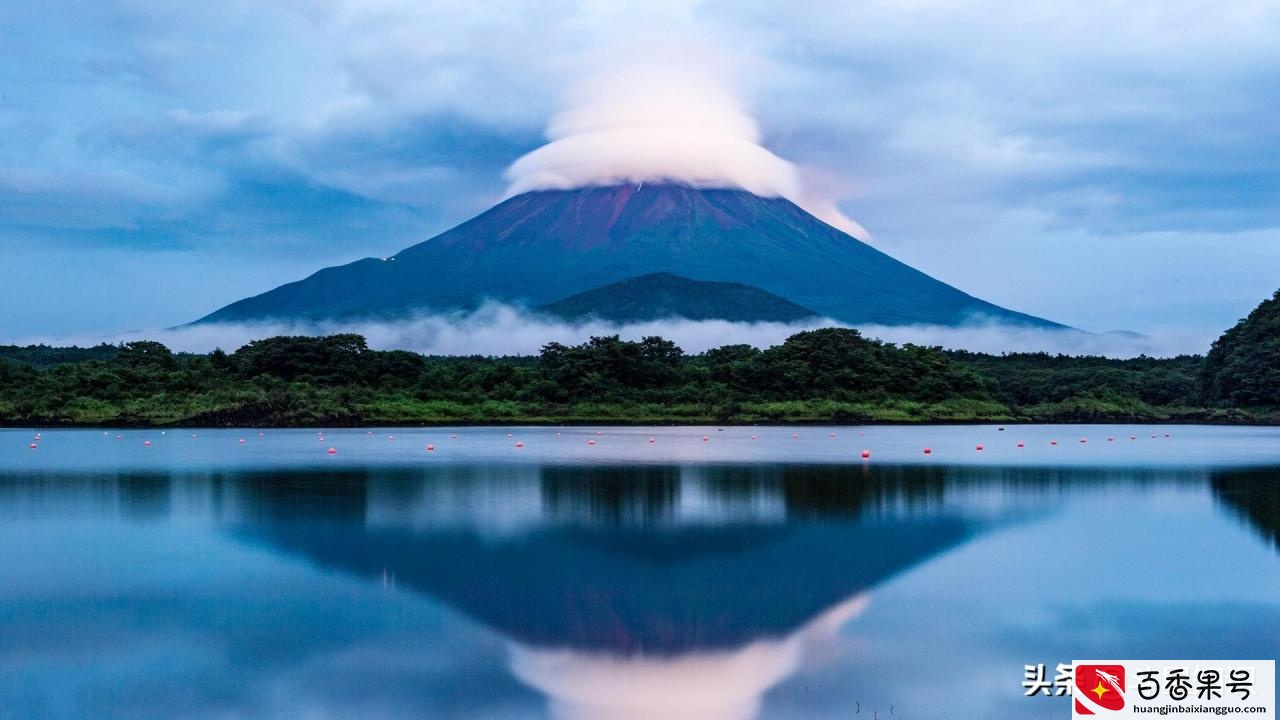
x: 499, y: 329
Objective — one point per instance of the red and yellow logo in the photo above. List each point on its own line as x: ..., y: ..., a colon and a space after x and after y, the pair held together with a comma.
x: 1100, y: 686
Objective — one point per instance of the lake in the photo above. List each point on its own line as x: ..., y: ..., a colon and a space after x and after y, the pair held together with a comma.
x: 590, y: 573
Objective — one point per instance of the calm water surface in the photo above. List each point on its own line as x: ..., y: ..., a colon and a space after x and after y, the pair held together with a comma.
x: 777, y: 577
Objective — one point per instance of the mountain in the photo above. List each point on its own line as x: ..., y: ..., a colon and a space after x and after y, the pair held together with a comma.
x: 662, y: 295
x: 544, y: 246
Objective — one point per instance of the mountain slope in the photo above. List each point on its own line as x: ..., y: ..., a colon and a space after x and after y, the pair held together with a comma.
x: 540, y: 247
x: 1243, y: 366
x: 662, y: 295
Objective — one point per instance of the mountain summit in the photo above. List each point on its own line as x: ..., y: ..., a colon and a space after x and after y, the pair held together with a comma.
x: 545, y: 246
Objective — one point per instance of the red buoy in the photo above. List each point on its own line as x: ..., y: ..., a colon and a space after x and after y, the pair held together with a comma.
x: 241, y: 441
x: 1111, y: 439
x: 651, y: 441
x: 795, y: 436
x: 333, y: 451
x: 1133, y: 437
x: 146, y: 443
x: 455, y: 436
x: 833, y: 434
x: 1083, y: 440
x: 928, y: 451
x: 866, y: 454
x: 431, y: 448
x: 32, y: 446
x: 979, y: 447
x: 705, y: 438
x: 753, y: 437
x: 119, y: 437
x: 519, y: 444
x: 591, y: 442
x: 1021, y: 444
x: 1053, y: 442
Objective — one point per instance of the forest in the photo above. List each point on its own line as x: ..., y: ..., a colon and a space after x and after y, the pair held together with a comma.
x: 831, y: 375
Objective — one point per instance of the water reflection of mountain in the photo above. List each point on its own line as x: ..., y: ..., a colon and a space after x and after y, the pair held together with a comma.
x: 1253, y: 495
x: 617, y: 565
x: 633, y: 592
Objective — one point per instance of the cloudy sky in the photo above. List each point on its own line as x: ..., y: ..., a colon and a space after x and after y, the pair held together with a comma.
x: 1104, y: 164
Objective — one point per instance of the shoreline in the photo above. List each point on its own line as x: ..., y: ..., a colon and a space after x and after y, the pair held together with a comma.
x: 1269, y: 420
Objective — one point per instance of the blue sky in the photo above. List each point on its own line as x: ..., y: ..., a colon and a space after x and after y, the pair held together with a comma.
x: 1105, y: 164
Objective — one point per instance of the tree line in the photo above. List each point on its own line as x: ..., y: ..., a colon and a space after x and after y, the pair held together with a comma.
x: 826, y: 375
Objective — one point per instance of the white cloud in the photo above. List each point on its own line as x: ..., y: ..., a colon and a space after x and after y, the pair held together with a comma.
x: 664, y: 112
x: 498, y: 329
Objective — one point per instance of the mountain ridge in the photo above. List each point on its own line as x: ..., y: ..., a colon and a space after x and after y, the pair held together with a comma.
x: 659, y: 296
